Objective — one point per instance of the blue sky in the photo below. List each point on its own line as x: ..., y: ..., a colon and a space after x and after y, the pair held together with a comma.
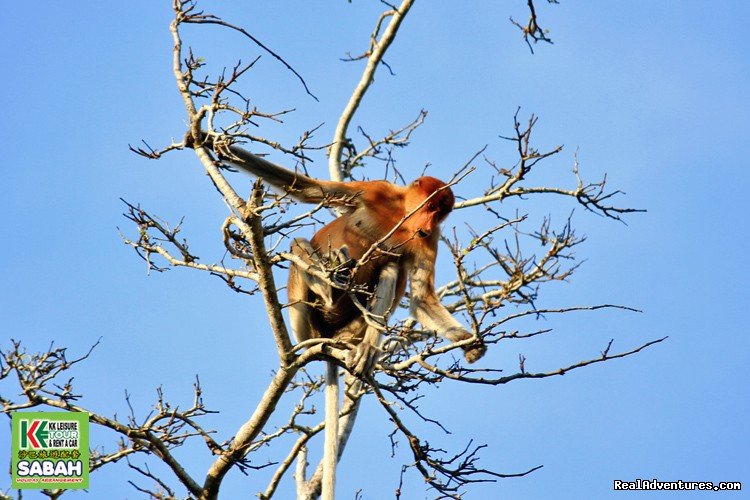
x: 653, y: 93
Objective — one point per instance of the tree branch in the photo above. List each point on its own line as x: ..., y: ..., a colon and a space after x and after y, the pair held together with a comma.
x: 377, y: 50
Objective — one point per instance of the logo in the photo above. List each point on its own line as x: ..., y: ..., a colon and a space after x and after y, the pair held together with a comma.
x: 34, y: 434
x: 50, y: 450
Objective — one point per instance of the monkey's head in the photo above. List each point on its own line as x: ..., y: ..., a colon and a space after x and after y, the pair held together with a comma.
x: 428, y: 217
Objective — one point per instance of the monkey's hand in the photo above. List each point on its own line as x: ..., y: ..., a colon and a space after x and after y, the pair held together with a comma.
x: 474, y: 352
x: 340, y: 265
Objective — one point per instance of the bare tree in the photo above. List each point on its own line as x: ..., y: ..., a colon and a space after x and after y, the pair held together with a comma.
x: 499, y: 277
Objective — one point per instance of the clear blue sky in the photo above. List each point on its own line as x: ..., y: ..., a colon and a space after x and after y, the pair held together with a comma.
x: 654, y: 93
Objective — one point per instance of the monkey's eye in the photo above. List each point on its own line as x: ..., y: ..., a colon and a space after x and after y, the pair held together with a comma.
x: 431, y: 206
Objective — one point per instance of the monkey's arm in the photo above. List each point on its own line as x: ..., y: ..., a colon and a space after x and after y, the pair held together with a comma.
x: 426, y: 307
x: 300, y: 186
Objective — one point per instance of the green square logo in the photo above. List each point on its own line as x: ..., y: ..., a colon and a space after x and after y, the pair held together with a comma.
x: 50, y: 450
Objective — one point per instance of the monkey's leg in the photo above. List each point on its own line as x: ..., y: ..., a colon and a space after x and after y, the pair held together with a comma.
x: 299, y: 308
x: 365, y: 355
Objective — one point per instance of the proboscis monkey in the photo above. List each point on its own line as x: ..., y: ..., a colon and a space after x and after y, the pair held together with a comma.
x: 402, y: 222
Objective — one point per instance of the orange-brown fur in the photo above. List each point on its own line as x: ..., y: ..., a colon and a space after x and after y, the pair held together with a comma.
x: 371, y: 210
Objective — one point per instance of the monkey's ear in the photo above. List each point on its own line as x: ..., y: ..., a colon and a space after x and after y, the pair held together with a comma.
x: 417, y: 183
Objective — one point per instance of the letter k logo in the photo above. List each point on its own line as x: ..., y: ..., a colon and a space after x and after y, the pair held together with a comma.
x: 34, y: 435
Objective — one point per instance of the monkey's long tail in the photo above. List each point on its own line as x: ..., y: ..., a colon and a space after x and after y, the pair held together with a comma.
x: 330, y: 446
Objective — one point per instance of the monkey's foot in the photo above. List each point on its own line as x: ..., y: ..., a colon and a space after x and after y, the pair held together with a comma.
x: 362, y: 358
x: 474, y: 352
x: 339, y: 256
